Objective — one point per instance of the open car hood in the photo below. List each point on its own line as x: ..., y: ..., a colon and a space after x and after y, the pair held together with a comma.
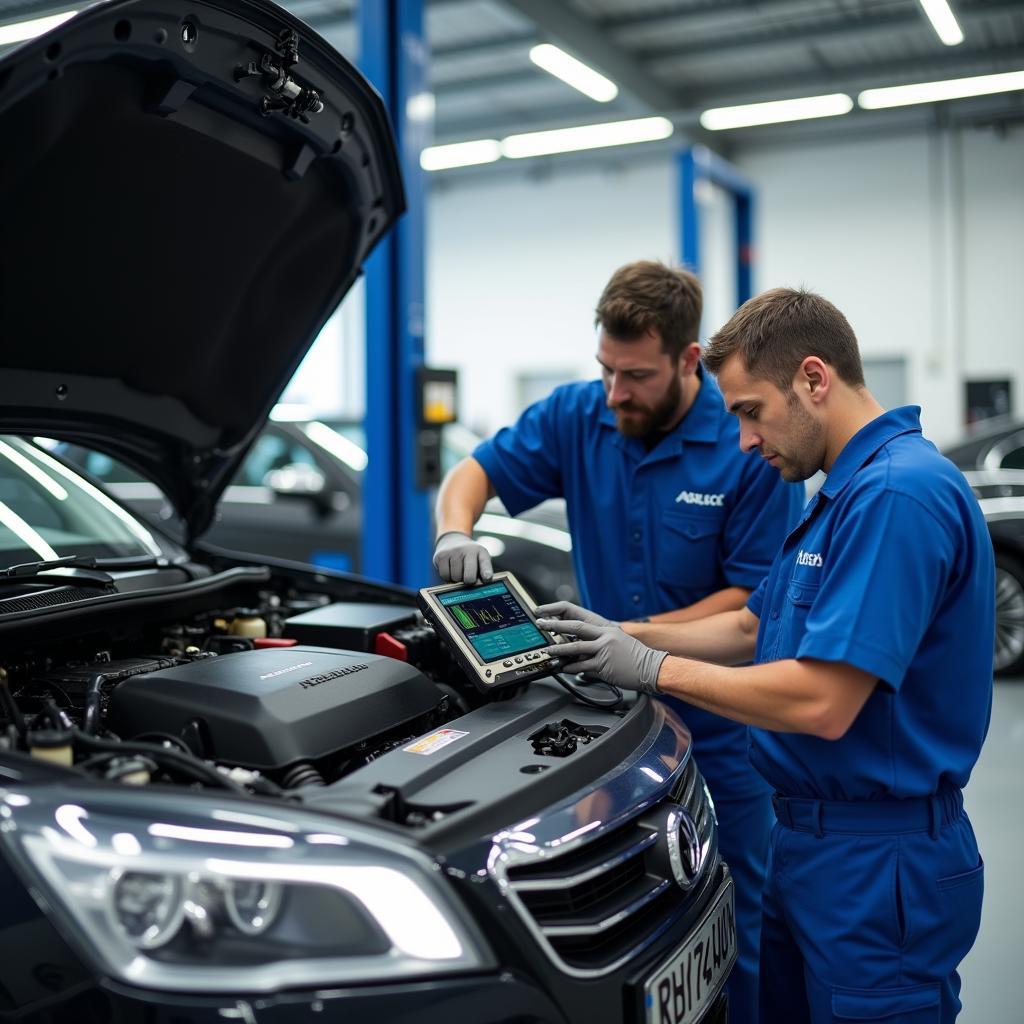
x: 185, y: 206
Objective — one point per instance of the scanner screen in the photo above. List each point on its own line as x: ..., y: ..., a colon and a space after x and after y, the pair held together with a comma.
x: 493, y: 620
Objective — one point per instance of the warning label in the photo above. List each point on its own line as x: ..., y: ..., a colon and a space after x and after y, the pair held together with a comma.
x: 435, y: 741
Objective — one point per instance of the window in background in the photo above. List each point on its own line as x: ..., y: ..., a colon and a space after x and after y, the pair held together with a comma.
x: 531, y: 387
x: 886, y: 378
x: 987, y: 399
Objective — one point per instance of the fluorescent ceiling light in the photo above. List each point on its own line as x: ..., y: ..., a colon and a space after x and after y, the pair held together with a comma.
x: 460, y: 154
x: 943, y: 21
x: 587, y: 136
x: 19, y: 31
x: 574, y: 72
x: 934, y: 92
x: 800, y: 109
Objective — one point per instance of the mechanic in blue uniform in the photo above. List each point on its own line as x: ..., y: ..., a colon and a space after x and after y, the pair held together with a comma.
x: 668, y: 520
x: 871, y: 695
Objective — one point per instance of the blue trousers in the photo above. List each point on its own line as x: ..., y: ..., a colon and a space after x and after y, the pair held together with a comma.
x: 868, y: 919
x: 744, y: 825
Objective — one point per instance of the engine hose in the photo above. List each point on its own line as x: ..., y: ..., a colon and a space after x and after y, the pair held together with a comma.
x: 164, y: 756
x: 92, y: 704
x: 302, y: 774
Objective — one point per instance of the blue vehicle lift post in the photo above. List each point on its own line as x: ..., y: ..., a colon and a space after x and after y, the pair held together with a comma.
x: 397, y: 545
x: 696, y: 164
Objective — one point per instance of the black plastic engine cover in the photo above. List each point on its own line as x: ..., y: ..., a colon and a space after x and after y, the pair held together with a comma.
x: 269, y: 708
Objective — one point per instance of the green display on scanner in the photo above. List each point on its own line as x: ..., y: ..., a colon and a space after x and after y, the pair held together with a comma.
x: 491, y: 629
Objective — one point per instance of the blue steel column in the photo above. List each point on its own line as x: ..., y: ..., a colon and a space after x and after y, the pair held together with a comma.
x: 744, y: 247
x: 396, y: 514
x: 696, y: 164
x: 689, y: 212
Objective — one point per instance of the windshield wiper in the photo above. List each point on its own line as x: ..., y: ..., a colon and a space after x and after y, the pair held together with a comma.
x: 85, y: 566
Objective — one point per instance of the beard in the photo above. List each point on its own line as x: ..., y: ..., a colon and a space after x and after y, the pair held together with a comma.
x: 804, y: 454
x: 644, y: 420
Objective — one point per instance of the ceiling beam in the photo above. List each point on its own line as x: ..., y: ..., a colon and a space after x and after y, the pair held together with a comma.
x: 716, y: 14
x: 871, y: 75
x: 484, y: 48
x: 555, y: 20
x: 756, y: 90
x: 850, y: 80
x: 851, y: 31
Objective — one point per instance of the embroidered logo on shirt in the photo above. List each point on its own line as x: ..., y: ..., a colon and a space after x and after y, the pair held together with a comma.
x: 811, y: 558
x: 699, y: 498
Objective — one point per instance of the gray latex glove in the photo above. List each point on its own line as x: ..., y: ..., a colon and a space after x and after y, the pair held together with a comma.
x: 568, y: 610
x: 606, y: 652
x: 460, y: 559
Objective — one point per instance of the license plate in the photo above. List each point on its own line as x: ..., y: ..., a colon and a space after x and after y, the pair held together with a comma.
x: 682, y: 989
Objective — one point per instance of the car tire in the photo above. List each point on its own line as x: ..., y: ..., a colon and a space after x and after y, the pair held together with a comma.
x: 1009, y: 641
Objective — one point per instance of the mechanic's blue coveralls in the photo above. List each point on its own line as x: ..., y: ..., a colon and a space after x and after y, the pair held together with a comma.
x: 874, y: 881
x: 653, y: 531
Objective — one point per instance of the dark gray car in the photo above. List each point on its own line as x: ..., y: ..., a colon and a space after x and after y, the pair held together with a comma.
x: 298, y: 495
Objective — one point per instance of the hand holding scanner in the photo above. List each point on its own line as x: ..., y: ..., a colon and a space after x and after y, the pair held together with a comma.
x: 492, y: 630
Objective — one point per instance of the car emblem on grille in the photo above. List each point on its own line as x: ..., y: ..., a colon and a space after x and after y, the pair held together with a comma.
x: 685, y: 853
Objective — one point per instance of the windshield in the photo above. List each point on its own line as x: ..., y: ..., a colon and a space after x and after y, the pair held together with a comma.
x: 48, y: 511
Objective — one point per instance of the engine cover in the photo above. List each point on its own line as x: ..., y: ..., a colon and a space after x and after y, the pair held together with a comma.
x: 266, y: 709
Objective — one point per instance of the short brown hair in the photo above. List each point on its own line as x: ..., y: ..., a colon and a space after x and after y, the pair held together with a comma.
x: 649, y: 295
x: 774, y: 332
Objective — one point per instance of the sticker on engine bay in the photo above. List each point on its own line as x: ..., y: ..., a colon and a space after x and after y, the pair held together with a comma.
x: 435, y: 741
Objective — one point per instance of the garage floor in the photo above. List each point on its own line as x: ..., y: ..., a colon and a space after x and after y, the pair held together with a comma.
x: 991, y: 973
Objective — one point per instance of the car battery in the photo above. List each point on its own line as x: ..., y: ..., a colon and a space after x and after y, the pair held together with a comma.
x: 350, y: 626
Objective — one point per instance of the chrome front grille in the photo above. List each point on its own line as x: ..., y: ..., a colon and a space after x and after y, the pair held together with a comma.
x: 608, y: 896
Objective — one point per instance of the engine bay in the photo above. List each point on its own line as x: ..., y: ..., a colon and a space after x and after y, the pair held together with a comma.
x: 284, y: 688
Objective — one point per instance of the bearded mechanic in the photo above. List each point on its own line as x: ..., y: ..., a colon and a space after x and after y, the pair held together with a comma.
x: 668, y: 520
x: 872, y: 691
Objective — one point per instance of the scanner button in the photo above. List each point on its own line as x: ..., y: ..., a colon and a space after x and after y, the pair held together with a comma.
x: 507, y: 663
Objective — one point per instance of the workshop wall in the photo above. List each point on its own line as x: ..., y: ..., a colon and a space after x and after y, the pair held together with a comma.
x: 516, y: 264
x: 916, y: 238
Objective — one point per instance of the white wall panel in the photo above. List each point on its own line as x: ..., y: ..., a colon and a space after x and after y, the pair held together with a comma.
x: 516, y: 264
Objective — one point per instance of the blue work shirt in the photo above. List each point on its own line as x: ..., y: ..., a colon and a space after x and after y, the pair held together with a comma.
x: 651, y: 530
x: 890, y: 570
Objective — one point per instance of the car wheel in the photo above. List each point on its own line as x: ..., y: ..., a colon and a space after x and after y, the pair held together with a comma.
x: 1009, y: 651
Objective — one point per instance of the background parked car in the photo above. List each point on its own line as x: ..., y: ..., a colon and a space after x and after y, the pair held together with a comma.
x: 298, y: 495
x: 992, y: 458
x: 1001, y: 496
x: 991, y: 444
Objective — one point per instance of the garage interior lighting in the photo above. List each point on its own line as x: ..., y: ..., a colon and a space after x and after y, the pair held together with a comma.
x: 588, y: 136
x: 574, y: 72
x: 943, y: 21
x: 460, y: 154
x: 775, y: 112
x: 19, y: 31
x: 935, y: 92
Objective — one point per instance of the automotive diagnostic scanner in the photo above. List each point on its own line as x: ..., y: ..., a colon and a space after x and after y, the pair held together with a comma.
x: 492, y: 630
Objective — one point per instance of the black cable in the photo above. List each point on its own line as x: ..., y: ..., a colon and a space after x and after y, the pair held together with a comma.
x: 12, y: 710
x: 583, y: 698
x: 53, y: 713
x: 144, y: 737
x: 163, y: 756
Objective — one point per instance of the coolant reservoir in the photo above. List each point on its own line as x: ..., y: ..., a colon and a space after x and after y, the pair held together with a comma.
x: 248, y: 624
x: 53, y: 745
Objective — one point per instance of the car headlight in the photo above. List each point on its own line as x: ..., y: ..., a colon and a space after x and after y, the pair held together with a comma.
x: 203, y: 896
